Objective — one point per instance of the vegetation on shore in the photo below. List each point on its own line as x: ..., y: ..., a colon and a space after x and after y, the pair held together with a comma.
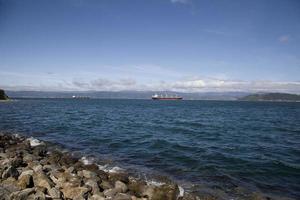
x: 271, y: 97
x: 3, y: 96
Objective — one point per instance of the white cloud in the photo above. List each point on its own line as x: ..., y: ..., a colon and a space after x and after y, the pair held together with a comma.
x: 284, y: 39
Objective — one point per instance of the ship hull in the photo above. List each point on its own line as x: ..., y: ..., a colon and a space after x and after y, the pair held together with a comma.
x: 166, y: 98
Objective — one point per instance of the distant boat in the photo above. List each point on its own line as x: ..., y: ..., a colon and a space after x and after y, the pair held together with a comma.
x: 80, y: 97
x: 166, y: 97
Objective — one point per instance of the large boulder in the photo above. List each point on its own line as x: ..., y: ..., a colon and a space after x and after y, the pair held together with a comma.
x: 3, y: 96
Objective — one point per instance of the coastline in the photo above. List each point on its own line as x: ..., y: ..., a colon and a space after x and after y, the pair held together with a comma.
x: 34, y: 169
x: 31, y: 170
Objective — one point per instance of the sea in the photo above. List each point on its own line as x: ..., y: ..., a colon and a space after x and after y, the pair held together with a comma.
x: 220, y: 147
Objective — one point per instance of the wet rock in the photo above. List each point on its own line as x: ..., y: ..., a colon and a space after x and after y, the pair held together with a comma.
x: 10, y: 172
x: 137, y: 187
x: 54, y: 193
x: 41, y: 180
x: 166, y: 192
x: 40, y: 150
x: 122, y: 196
x: 121, y: 187
x: 75, y: 192
x: 55, y: 157
x: 113, y: 177
x: 22, y: 195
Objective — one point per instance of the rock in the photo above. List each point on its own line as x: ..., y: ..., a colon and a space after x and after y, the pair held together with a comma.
x: 10, y: 184
x: 74, y: 192
x: 88, y: 174
x: 54, y: 193
x: 18, y: 162
x: 121, y: 187
x: 113, y: 177
x: 25, y: 180
x: 93, y: 184
x: 110, y: 192
x: 39, y: 196
x: 3, y: 96
x: 4, y: 194
x: 10, y: 172
x: 148, y: 191
x: 96, y: 197
x: 166, y: 192
x: 40, y: 150
x: 122, y: 196
x: 106, y: 185
x: 137, y: 187
x: 22, y: 195
x: 37, y: 168
x: 41, y: 180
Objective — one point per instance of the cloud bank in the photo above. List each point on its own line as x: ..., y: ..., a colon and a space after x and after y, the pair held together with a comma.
x: 187, y: 85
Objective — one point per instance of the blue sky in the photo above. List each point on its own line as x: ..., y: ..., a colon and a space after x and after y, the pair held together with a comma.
x: 180, y: 45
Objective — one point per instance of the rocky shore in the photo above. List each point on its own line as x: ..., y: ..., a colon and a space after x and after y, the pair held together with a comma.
x: 31, y: 170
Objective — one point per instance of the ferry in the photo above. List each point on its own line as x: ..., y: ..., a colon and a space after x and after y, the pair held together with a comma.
x: 166, y: 97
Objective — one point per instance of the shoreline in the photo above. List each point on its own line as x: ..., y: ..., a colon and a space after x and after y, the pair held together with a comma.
x: 66, y: 175
x: 31, y: 169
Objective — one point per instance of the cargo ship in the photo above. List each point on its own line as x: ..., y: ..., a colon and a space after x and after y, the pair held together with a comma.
x: 165, y: 97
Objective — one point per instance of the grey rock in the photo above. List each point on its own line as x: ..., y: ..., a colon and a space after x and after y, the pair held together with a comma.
x: 96, y: 197
x: 110, y: 192
x: 54, y: 193
x: 10, y: 172
x: 121, y: 187
x: 122, y: 196
x: 22, y: 195
x: 41, y: 180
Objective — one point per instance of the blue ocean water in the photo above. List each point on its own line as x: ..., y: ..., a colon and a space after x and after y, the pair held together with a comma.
x: 219, y: 144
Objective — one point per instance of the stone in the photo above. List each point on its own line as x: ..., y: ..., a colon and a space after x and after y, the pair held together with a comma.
x: 54, y: 193
x: 93, y: 184
x: 3, y: 96
x: 89, y: 174
x: 121, y: 187
x: 74, y: 192
x: 22, y: 195
x: 113, y: 177
x: 110, y: 192
x: 166, y: 192
x: 137, y: 187
x: 106, y: 185
x: 10, y: 184
x: 41, y: 180
x: 122, y: 196
x: 25, y: 181
x: 4, y: 194
x: 10, y: 172
x: 96, y: 197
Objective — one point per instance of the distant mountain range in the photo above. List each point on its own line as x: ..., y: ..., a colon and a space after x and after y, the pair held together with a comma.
x: 242, y: 96
x: 127, y: 95
x: 271, y: 97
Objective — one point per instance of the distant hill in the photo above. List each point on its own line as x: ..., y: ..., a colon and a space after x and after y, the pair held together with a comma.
x: 3, y: 96
x: 127, y: 95
x: 271, y: 97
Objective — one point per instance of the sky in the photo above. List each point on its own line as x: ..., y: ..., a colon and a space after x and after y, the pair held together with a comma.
x: 145, y: 45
